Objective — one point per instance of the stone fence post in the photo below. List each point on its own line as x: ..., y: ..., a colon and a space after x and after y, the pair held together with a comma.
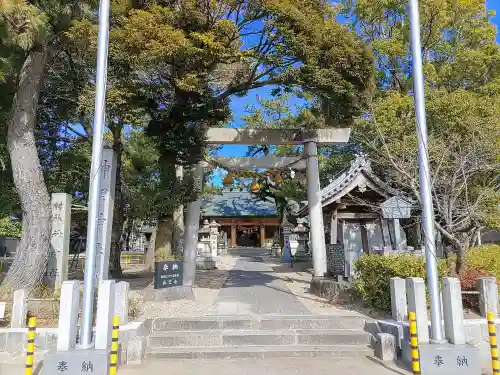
x: 214, y: 235
x: 488, y: 296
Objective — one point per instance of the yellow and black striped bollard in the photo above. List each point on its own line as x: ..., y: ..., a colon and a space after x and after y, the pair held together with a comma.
x: 30, y: 348
x: 113, y: 361
x: 493, y: 343
x: 415, y: 355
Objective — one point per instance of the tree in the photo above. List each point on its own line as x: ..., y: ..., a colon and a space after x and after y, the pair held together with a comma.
x: 29, y: 31
x: 182, y: 61
x: 461, y: 65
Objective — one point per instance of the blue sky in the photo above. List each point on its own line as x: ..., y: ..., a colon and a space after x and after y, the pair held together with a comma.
x: 239, y: 105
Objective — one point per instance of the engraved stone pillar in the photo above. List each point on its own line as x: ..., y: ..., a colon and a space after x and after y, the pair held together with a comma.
x: 105, y: 213
x: 214, y: 235
x: 57, y: 263
x: 286, y: 229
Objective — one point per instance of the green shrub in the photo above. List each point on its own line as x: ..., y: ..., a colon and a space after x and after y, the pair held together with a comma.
x: 373, y: 274
x: 485, y: 258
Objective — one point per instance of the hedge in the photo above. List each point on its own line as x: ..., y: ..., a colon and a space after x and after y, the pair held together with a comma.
x: 373, y: 274
x: 485, y: 258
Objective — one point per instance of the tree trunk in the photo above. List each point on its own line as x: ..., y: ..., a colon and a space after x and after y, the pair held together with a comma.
x: 150, y: 256
x: 128, y: 235
x: 459, y: 262
x: 117, y: 233
x: 30, y: 261
x: 164, y: 235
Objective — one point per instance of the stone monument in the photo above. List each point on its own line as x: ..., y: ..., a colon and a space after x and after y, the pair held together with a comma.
x: 57, y: 263
x: 286, y: 229
x: 105, y: 213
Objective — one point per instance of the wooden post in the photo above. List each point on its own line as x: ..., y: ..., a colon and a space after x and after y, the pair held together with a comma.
x: 233, y: 236
x: 262, y: 235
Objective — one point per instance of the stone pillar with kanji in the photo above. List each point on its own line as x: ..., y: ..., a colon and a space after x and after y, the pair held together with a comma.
x: 286, y: 229
x: 214, y: 235
x: 57, y: 263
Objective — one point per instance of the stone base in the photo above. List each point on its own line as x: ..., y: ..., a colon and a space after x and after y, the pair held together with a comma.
x: 445, y: 359
x: 76, y: 362
x: 301, y: 266
x: 385, y: 347
x: 328, y: 288
x: 206, y: 263
x: 169, y: 294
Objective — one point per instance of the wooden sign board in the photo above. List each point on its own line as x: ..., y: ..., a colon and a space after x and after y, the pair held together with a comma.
x: 396, y: 208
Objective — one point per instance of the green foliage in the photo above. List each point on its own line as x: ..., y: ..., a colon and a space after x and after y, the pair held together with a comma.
x: 146, y: 194
x: 462, y: 75
x: 10, y: 228
x: 373, y: 274
x: 485, y: 258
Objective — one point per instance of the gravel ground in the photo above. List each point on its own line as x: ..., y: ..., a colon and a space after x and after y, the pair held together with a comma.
x: 208, y: 284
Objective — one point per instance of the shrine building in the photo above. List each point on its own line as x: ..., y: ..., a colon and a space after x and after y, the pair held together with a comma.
x: 247, y: 220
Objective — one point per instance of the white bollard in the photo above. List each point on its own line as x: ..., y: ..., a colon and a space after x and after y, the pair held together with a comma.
x: 398, y: 299
x: 488, y: 296
x: 68, y: 315
x: 122, y: 292
x: 417, y: 303
x: 453, y: 312
x: 105, y: 312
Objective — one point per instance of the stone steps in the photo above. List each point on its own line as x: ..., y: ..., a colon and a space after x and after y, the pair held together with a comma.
x: 262, y: 322
x: 225, y: 352
x: 259, y: 337
x: 262, y: 336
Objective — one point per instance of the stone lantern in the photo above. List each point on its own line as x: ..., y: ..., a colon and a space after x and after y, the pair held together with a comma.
x: 301, y: 233
x: 204, y: 258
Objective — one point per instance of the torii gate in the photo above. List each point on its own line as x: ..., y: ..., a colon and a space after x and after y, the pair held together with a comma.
x: 310, y: 139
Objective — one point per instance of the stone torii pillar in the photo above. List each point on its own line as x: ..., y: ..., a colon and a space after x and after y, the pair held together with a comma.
x: 191, y: 230
x: 178, y: 235
x: 317, y: 231
x: 310, y: 138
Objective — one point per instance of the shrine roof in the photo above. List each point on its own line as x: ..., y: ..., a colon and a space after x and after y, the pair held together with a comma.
x: 358, y: 175
x: 237, y: 204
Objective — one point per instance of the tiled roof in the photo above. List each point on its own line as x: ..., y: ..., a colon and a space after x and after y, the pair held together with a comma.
x: 359, y: 165
x: 346, y: 181
x: 237, y: 204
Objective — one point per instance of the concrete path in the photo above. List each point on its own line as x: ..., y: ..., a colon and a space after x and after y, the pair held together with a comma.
x: 253, y: 288
x: 277, y: 366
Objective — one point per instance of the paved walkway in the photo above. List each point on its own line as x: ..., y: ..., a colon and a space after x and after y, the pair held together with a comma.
x: 253, y: 288
x: 277, y: 366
